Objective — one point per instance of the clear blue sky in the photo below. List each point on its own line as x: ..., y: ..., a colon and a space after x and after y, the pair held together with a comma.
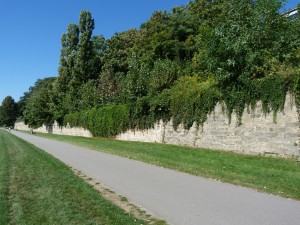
x: 30, y: 32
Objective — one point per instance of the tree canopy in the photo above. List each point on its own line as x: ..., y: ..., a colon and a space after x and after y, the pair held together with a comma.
x: 178, y: 65
x: 37, y: 110
x: 8, y: 112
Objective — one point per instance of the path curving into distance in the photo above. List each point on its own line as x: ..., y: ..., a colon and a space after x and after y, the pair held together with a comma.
x: 178, y: 198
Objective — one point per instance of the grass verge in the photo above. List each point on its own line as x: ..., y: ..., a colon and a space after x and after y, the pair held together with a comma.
x: 272, y: 175
x: 43, y: 190
x: 4, y: 207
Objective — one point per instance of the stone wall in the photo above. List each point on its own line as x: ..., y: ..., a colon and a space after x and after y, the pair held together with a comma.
x: 56, y: 129
x: 258, y: 133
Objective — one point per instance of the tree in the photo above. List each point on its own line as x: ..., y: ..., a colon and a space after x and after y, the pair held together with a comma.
x: 232, y: 51
x: 39, y: 84
x: 116, y: 64
x: 69, y: 42
x: 238, y: 42
x: 80, y: 63
x: 157, y: 41
x: 61, y: 87
x: 239, y: 47
x: 118, y: 49
x: 22, y: 103
x: 162, y: 76
x: 38, y: 108
x: 108, y: 89
x: 85, y: 68
x: 8, y: 112
x: 135, y: 84
x: 99, y: 46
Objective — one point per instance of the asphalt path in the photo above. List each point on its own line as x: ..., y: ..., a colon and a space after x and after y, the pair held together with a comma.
x: 178, y: 198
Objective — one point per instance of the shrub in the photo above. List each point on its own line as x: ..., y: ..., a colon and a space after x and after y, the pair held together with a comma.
x: 101, y: 122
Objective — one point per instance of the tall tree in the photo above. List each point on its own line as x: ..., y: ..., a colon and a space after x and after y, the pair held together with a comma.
x: 157, y: 42
x: 118, y: 49
x: 116, y: 64
x: 240, y: 38
x: 99, y: 46
x: 8, y: 112
x: 239, y: 48
x: 69, y: 42
x: 38, y: 108
x: 40, y: 83
x: 85, y: 68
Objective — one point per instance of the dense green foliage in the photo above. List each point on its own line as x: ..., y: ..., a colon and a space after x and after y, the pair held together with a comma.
x: 36, y: 188
x: 104, y: 122
x: 8, y: 112
x: 37, y: 109
x: 178, y: 65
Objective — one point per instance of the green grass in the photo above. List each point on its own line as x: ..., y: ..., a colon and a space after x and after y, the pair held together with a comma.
x: 4, y: 179
x: 36, y: 188
x: 272, y: 175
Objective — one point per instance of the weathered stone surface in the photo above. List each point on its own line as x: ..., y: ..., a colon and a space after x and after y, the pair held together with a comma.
x: 56, y: 129
x: 258, y: 133
x: 151, y: 135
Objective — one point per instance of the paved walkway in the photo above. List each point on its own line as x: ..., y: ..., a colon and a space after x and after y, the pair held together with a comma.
x: 178, y: 198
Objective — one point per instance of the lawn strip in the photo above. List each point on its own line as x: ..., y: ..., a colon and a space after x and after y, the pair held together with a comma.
x: 4, y: 173
x: 43, y: 190
x: 272, y: 175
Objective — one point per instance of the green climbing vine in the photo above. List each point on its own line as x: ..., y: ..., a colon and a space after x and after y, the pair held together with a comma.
x: 190, y: 101
x: 180, y: 65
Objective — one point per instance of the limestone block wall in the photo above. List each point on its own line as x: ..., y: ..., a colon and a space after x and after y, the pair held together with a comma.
x: 258, y: 133
x: 56, y: 129
x: 151, y: 135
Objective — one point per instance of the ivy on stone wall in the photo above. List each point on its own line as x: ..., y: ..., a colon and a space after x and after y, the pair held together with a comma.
x: 295, y: 89
x: 177, y: 66
x: 190, y: 101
